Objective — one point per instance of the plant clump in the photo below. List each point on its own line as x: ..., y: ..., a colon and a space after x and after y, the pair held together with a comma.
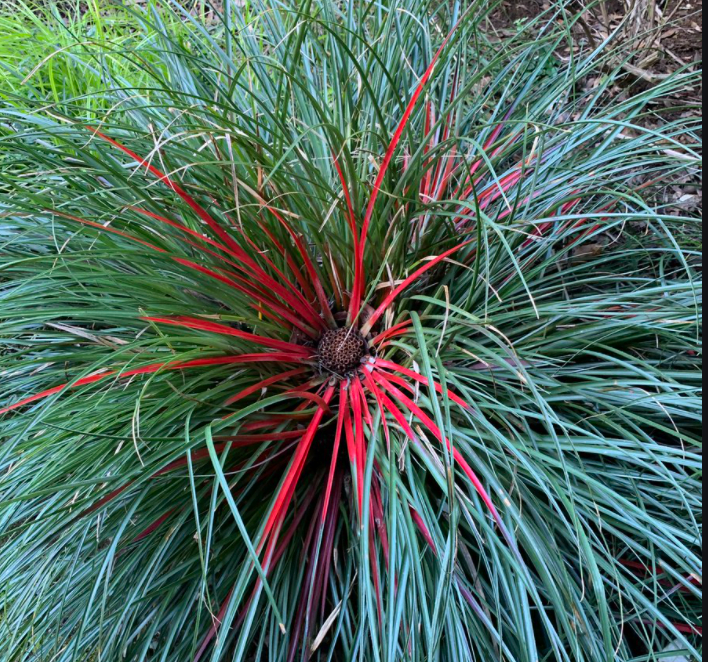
x: 302, y: 364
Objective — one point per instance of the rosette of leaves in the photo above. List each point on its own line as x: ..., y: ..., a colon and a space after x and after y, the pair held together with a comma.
x: 312, y: 349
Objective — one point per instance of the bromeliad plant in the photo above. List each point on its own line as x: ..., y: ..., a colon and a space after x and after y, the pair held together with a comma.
x: 310, y: 351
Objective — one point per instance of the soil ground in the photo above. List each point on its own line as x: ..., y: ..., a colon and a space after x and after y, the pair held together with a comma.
x: 677, y: 45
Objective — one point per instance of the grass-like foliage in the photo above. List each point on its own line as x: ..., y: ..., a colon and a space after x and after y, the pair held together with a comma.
x: 332, y: 331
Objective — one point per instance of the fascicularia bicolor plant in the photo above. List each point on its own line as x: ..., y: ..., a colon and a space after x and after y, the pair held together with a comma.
x: 303, y: 358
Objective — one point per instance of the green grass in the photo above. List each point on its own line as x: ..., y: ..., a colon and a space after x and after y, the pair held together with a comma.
x: 74, y: 55
x: 139, y: 518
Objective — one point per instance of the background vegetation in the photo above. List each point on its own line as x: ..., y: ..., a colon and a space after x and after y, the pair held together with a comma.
x: 569, y: 323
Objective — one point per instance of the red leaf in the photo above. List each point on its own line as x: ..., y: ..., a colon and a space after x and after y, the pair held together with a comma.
x: 309, y: 266
x: 208, y: 219
x: 489, y: 142
x: 351, y: 216
x: 449, y: 161
x: 683, y: 628
x: 381, y: 363
x: 359, y: 258
x: 215, y: 627
x: 102, y: 502
x: 258, y: 438
x: 304, y: 305
x: 376, y: 392
x: 297, y: 272
x: 426, y: 184
x: 154, y: 526
x: 373, y: 559
x: 359, y: 441
x: 335, y: 451
x: 105, y: 228
x: 200, y: 211
x: 379, y: 518
x: 276, y: 379
x: 249, y: 291
x: 397, y: 330
x: 351, y: 440
x: 260, y: 285
x: 213, y: 327
x: 395, y: 412
x: 328, y: 543
x: 296, y: 521
x: 248, y: 288
x: 430, y: 425
x: 157, y: 367
x: 366, y: 329
x: 287, y: 489
x: 418, y: 521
